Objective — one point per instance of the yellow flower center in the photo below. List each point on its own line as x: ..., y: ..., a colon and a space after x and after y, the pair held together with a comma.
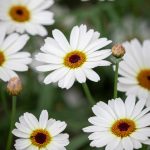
x: 19, y: 13
x: 144, y: 78
x: 40, y: 138
x: 123, y: 127
x: 2, y: 58
x: 74, y: 59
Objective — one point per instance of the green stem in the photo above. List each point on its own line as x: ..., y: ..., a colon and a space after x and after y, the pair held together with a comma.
x: 116, y: 79
x: 88, y: 94
x: 12, y: 121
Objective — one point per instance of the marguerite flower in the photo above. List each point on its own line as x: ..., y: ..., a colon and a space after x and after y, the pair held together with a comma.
x: 42, y: 134
x: 120, y: 125
x: 135, y: 69
x: 73, y: 61
x: 26, y: 16
x: 10, y: 58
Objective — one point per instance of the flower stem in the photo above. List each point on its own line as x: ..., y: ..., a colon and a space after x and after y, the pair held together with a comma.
x: 116, y: 79
x: 9, y: 142
x: 88, y: 94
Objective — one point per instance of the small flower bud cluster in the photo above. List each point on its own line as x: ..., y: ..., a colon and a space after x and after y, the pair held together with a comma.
x: 14, y: 86
x: 118, y: 50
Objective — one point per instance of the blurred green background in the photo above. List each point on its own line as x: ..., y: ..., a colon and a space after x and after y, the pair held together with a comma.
x: 118, y: 20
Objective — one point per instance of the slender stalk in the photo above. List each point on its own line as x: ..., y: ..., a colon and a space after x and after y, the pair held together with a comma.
x: 88, y: 94
x: 9, y: 141
x: 116, y: 79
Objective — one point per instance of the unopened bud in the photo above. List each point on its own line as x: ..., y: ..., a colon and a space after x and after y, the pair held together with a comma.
x: 118, y: 50
x: 14, y: 86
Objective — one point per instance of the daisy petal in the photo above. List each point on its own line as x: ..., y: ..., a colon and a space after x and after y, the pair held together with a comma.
x: 43, y: 119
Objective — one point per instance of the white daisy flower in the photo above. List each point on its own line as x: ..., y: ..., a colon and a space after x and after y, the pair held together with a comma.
x: 73, y: 61
x: 11, y: 59
x: 42, y: 134
x: 135, y: 70
x: 120, y: 125
x: 26, y: 16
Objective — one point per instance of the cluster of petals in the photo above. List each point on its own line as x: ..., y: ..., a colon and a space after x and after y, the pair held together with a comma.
x: 43, y: 134
x: 11, y: 59
x: 26, y: 16
x: 134, y: 70
x: 120, y: 125
x: 73, y: 60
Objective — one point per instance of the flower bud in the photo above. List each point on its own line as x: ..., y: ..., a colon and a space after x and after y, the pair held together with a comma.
x: 14, y: 86
x: 118, y: 50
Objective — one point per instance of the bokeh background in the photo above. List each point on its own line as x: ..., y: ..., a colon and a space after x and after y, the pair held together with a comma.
x: 119, y: 20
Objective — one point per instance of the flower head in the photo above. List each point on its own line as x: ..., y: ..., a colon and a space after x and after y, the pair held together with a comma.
x: 72, y: 61
x: 11, y: 59
x: 26, y: 16
x: 120, y: 125
x: 135, y: 70
x: 14, y: 86
x: 44, y: 134
x: 118, y: 51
